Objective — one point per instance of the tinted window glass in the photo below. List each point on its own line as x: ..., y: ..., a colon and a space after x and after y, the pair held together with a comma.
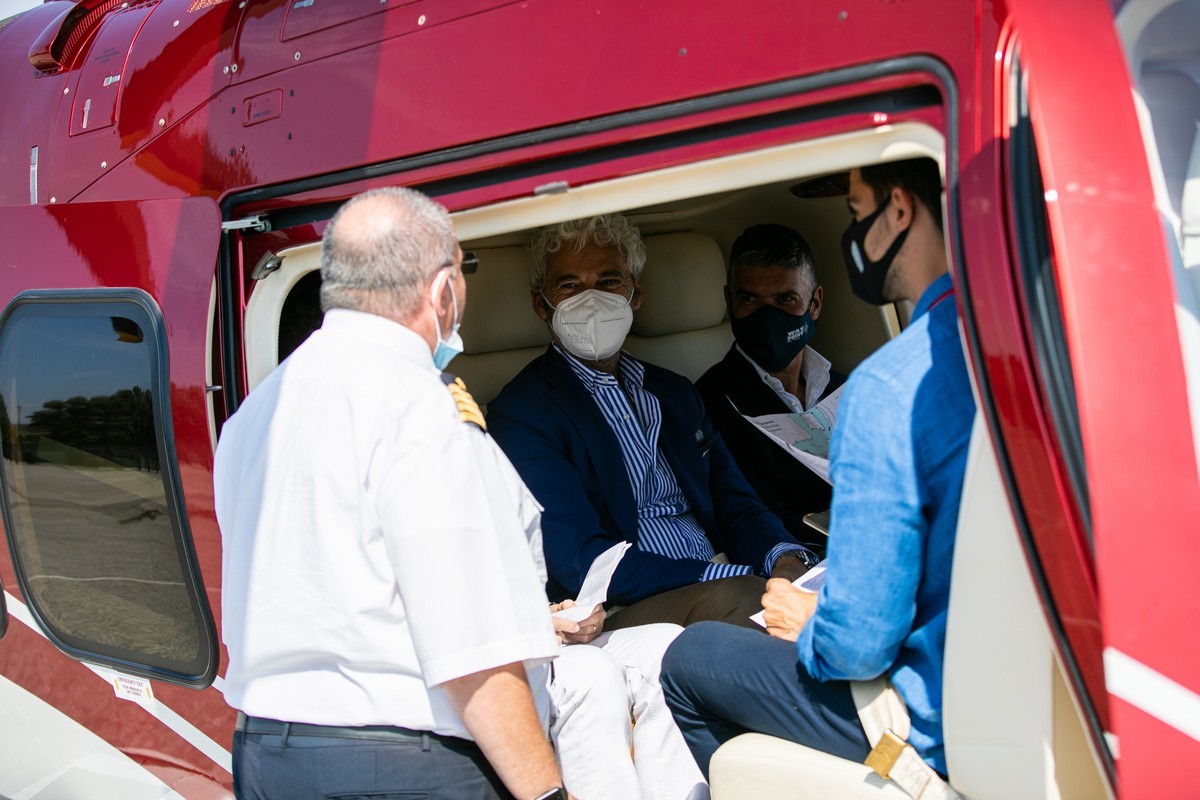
x: 100, y: 552
x: 1040, y: 282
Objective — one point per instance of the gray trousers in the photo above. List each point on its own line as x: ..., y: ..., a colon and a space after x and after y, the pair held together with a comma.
x: 286, y: 766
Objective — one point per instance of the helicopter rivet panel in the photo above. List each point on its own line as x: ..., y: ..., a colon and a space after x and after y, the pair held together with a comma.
x: 152, y: 95
x: 99, y: 85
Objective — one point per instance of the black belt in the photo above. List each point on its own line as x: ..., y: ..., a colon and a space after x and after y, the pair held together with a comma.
x: 374, y: 733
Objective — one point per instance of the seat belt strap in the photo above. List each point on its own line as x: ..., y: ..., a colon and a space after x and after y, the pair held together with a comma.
x: 886, y: 723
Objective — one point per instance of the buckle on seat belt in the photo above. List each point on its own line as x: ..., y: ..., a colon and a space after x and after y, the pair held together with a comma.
x: 885, y: 753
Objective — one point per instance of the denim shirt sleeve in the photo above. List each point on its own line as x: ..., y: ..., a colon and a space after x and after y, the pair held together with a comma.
x: 866, y: 607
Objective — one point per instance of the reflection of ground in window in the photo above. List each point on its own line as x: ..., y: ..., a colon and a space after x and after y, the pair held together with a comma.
x: 122, y: 589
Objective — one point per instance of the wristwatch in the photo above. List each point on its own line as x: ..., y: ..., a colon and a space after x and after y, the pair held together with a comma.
x: 808, y: 557
x: 557, y: 793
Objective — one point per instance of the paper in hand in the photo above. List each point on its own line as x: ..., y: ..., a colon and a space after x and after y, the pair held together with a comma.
x: 810, y: 582
x: 806, y: 436
x: 595, y: 586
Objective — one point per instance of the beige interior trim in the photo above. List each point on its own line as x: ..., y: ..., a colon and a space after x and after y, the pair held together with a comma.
x: 757, y: 168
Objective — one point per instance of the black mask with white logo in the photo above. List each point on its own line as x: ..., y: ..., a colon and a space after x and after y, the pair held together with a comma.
x: 772, y: 337
x: 867, y: 277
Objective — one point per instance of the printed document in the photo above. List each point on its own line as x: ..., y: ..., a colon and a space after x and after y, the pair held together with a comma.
x: 805, y: 435
x: 595, y: 586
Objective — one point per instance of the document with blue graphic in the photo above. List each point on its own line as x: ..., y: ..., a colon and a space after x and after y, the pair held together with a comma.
x: 805, y: 435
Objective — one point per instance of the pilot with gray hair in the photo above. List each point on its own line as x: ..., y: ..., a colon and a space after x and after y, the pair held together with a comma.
x: 618, y: 450
x: 350, y: 488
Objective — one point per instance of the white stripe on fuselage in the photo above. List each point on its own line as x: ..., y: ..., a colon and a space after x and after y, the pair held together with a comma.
x: 168, y: 716
x: 1152, y: 692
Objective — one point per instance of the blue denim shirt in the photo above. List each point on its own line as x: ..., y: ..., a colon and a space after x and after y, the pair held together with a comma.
x: 898, y: 455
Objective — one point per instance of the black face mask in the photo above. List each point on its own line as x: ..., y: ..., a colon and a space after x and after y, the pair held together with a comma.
x: 772, y: 337
x: 867, y: 277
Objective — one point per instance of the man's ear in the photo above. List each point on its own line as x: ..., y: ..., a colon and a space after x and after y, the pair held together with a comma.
x: 540, y: 306
x: 814, y: 307
x: 728, y: 301
x: 635, y: 300
x: 442, y: 301
x: 902, y: 209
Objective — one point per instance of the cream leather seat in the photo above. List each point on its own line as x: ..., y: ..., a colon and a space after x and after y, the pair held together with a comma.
x: 758, y: 767
x: 501, y: 333
x: 681, y: 325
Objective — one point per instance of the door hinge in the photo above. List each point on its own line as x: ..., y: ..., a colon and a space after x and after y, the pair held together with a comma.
x: 254, y: 224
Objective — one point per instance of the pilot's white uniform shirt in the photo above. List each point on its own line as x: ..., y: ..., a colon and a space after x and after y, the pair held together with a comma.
x: 375, y: 545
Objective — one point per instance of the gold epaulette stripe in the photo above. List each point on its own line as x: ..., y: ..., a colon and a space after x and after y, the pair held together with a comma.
x: 468, y: 409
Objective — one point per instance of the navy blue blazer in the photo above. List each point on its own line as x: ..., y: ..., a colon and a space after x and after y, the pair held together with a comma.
x: 560, y: 443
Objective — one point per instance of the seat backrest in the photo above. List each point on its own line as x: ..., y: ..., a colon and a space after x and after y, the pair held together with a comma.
x: 1188, y: 288
x: 1173, y: 100
x: 501, y: 333
x: 681, y: 324
x: 1189, y: 218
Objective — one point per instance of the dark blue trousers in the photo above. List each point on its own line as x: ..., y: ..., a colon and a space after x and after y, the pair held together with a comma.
x: 721, y: 681
x: 279, y: 767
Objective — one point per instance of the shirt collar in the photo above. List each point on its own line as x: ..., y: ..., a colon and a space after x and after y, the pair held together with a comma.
x: 381, y: 331
x: 815, y: 369
x: 931, y: 294
x: 632, y: 371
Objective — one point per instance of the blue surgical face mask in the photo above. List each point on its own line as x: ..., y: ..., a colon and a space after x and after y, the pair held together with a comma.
x: 452, y: 345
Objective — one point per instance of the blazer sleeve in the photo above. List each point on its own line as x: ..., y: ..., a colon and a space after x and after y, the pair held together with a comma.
x: 745, y: 528
x: 750, y: 529
x: 576, y: 524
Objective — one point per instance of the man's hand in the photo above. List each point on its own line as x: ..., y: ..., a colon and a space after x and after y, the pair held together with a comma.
x: 787, y: 609
x: 569, y: 632
x: 789, y: 567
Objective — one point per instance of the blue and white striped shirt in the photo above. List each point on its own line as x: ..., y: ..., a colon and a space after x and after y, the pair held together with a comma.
x: 666, y: 525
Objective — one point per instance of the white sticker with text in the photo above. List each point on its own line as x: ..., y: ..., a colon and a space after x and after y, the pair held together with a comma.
x: 127, y: 687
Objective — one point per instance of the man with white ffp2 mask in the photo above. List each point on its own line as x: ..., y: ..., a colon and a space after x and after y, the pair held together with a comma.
x: 620, y: 450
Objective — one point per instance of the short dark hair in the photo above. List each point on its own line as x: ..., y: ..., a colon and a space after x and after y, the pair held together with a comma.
x: 917, y: 175
x: 772, y: 245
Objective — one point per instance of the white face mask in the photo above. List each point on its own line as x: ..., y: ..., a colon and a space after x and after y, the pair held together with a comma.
x: 592, y: 325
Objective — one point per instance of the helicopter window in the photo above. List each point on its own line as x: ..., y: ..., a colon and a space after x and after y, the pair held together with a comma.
x: 91, y: 498
x: 1036, y: 259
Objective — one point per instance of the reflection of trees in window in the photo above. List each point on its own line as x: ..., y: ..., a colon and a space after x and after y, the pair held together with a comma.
x: 118, y: 427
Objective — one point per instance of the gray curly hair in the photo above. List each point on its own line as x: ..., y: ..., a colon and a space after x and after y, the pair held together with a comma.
x: 609, y: 229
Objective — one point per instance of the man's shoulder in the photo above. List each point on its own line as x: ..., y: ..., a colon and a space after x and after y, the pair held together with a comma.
x: 896, y: 360
x: 529, y: 386
x: 720, y: 375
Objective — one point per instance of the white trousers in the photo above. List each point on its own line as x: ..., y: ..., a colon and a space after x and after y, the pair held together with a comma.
x: 606, y: 700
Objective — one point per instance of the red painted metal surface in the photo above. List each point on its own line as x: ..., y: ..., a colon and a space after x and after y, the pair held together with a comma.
x: 1137, y: 441
x: 230, y: 97
x: 168, y: 249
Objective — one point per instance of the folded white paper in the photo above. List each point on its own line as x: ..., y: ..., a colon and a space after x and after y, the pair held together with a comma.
x: 595, y: 586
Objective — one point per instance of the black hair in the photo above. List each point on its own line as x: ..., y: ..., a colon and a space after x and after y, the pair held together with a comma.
x: 772, y: 245
x: 917, y: 175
